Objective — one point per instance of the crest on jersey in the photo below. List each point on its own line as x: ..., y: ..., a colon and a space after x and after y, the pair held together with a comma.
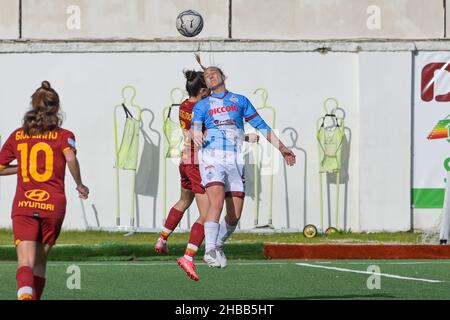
x: 71, y: 143
x: 234, y: 99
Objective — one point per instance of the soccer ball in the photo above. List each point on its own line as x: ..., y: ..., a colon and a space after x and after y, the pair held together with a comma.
x: 189, y: 23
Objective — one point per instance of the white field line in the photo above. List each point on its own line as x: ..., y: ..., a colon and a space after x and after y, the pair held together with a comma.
x: 387, y: 275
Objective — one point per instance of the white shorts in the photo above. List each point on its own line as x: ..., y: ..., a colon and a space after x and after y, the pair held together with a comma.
x: 224, y: 168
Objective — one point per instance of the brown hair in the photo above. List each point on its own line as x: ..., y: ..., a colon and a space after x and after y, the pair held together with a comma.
x: 197, y: 57
x: 44, y: 115
x: 194, y: 82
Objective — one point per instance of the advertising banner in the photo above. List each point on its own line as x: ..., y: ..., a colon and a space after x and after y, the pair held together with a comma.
x: 431, y: 129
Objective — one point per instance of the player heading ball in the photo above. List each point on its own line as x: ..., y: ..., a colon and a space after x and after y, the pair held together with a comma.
x: 222, y: 158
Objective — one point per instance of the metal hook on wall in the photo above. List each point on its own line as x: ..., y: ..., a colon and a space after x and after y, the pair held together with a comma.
x: 133, y: 95
x: 264, y: 96
x: 336, y: 103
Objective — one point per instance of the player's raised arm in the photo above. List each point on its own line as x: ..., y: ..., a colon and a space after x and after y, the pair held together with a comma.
x: 287, y: 153
x: 256, y: 121
x: 74, y: 168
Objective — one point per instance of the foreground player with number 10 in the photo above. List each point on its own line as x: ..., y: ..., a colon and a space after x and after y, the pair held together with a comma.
x: 222, y: 160
x: 42, y: 149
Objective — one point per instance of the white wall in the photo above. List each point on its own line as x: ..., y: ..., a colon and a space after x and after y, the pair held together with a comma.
x: 9, y: 19
x: 298, y: 82
x: 137, y: 19
x: 337, y: 19
x: 447, y: 14
x: 385, y: 141
x: 428, y: 219
x: 250, y: 19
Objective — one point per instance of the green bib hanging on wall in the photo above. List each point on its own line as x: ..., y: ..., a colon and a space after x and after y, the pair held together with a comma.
x: 174, y: 136
x: 127, y: 154
x: 174, y: 139
x: 330, y: 139
x: 330, y: 143
x: 129, y: 147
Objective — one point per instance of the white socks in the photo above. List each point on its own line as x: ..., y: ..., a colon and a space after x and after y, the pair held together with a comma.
x: 211, y: 234
x: 225, y: 231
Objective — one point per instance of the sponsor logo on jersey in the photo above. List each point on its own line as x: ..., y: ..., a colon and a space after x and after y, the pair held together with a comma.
x: 225, y: 122
x: 223, y: 109
x: 36, y: 205
x: 37, y: 195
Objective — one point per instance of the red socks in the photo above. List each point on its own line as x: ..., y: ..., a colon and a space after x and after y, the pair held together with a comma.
x: 39, y: 284
x: 172, y: 222
x: 195, y: 240
x: 197, y: 234
x: 25, y: 283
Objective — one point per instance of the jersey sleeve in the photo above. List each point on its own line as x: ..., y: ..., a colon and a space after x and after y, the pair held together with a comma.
x: 254, y: 119
x: 7, y: 154
x: 68, y: 142
x: 198, y: 116
x: 181, y: 120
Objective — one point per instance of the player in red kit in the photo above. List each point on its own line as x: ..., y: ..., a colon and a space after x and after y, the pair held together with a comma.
x: 42, y: 149
x: 190, y: 180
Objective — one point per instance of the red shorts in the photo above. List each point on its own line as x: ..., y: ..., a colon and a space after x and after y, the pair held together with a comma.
x: 190, y: 178
x: 42, y: 230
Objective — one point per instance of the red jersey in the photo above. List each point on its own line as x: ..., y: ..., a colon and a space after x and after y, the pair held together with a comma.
x: 186, y: 108
x: 41, y: 171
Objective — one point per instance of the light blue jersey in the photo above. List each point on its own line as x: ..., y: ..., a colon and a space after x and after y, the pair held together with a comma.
x: 223, y: 116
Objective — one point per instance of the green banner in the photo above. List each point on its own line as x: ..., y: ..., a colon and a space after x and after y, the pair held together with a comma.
x: 428, y: 198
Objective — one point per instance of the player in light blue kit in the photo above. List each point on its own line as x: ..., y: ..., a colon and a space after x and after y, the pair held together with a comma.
x: 222, y: 160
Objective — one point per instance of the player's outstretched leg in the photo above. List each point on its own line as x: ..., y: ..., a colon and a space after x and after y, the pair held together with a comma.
x: 195, y: 240
x: 211, y: 232
x: 216, y: 196
x: 225, y: 231
x: 173, y: 219
x: 227, y: 226
x: 161, y: 245
x: 188, y: 267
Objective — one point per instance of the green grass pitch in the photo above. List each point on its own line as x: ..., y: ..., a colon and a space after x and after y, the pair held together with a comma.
x: 243, y: 279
